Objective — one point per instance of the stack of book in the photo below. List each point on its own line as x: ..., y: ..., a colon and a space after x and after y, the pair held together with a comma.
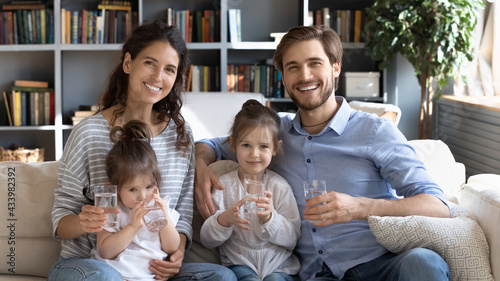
x: 26, y: 22
x: 111, y: 22
x: 29, y: 103
x: 82, y: 112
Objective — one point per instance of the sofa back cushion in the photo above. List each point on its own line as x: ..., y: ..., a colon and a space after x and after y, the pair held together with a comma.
x: 212, y: 114
x: 441, y: 166
x: 27, y: 197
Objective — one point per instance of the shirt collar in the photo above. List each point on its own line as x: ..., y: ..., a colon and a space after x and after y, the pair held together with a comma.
x: 337, y: 124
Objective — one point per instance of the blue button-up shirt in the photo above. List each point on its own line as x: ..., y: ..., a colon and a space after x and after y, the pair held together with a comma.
x: 358, y: 154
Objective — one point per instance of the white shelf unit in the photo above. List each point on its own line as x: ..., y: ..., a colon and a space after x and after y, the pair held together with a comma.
x: 78, y: 72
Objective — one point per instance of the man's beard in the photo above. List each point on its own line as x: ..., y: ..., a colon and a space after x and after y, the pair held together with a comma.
x: 308, y: 104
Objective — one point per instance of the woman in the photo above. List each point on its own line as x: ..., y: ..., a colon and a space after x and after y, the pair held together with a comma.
x: 147, y: 86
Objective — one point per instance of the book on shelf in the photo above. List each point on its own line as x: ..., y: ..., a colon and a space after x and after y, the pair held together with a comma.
x: 31, y: 89
x: 358, y: 18
x: 114, y: 7
x: 234, y: 23
x: 189, y: 79
x: 15, y: 107
x: 5, y: 115
x: 84, y: 113
x: 277, y: 36
x: 325, y: 14
x: 31, y: 83
x: 23, y: 5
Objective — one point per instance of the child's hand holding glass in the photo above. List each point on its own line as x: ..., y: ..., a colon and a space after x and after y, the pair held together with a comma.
x: 232, y: 216
x: 156, y: 217
x: 138, y: 213
x: 266, y: 203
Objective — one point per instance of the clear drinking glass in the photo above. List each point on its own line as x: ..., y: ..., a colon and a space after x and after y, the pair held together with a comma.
x: 255, y: 185
x: 105, y: 197
x: 155, y: 219
x: 313, y: 188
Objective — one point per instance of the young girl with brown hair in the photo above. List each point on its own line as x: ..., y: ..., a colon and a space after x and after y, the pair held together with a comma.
x: 255, y: 246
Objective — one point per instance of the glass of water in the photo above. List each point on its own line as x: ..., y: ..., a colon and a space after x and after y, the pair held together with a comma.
x: 105, y: 197
x: 155, y: 219
x: 313, y: 188
x: 255, y: 185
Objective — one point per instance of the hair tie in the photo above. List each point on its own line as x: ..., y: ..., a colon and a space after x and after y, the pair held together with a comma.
x: 125, y: 138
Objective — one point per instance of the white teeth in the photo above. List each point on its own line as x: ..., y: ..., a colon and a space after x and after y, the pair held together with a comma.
x: 152, y: 87
x: 312, y: 87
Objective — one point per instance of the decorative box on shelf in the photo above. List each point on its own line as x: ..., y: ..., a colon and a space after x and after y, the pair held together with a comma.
x: 13, y: 153
x: 362, y: 84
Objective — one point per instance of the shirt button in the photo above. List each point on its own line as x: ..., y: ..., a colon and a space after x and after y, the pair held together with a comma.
x: 320, y: 252
x: 309, y: 138
x: 308, y: 161
x: 314, y: 229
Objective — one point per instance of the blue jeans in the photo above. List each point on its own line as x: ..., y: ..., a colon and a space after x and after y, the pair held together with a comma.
x: 82, y: 269
x: 414, y: 265
x: 245, y: 273
x: 94, y: 270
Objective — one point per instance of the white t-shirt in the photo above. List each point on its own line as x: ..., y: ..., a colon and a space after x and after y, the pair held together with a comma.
x: 133, y: 262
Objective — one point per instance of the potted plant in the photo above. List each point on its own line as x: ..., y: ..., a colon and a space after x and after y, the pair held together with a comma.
x: 436, y: 36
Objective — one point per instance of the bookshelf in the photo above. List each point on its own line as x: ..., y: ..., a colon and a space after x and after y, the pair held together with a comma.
x: 78, y: 72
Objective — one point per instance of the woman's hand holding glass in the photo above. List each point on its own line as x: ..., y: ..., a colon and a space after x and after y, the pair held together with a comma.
x: 92, y: 218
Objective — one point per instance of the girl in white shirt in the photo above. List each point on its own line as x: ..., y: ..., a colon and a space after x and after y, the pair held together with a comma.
x: 255, y: 246
x: 129, y: 246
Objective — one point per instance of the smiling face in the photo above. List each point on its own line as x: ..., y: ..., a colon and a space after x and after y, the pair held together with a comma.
x: 254, y: 151
x: 152, y: 73
x: 139, y: 188
x: 308, y: 75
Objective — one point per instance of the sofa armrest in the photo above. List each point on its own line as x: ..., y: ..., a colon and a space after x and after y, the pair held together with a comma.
x: 481, y: 197
x: 26, y: 241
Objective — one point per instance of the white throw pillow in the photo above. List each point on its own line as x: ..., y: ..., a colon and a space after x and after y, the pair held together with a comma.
x: 458, y: 240
x: 26, y: 241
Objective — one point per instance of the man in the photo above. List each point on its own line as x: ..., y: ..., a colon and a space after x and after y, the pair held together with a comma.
x: 365, y: 161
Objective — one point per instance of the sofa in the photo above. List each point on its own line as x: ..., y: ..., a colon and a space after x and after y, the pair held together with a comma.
x: 28, y: 249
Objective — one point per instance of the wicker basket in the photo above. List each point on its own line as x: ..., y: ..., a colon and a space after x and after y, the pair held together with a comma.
x: 21, y: 154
